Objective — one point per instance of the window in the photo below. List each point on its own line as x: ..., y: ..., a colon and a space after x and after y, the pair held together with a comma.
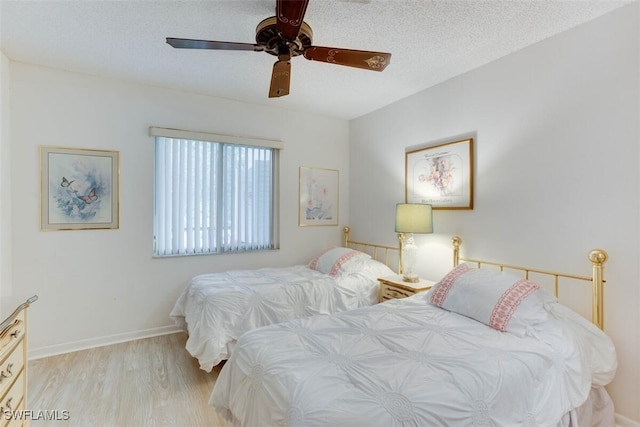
x: 214, y: 193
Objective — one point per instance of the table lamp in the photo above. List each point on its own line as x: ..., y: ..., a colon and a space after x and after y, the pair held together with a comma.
x: 411, y: 218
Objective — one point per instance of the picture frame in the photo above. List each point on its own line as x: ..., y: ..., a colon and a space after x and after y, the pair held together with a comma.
x: 318, y: 198
x: 441, y: 175
x: 79, y: 189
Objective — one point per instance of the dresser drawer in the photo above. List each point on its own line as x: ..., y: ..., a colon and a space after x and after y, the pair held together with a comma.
x: 12, y: 401
x: 11, y: 334
x: 17, y: 421
x: 390, y: 292
x: 11, y: 367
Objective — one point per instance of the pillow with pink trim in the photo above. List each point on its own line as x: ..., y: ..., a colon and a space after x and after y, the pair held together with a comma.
x: 336, y: 260
x: 505, y: 302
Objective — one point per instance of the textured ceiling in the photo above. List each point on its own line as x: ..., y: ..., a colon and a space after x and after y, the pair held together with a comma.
x: 431, y: 41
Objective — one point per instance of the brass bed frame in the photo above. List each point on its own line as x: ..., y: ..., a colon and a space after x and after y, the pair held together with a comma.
x: 382, y: 253
x: 597, y: 257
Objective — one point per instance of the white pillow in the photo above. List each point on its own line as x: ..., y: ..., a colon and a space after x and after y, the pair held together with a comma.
x: 337, y: 260
x: 501, y: 300
x: 372, y: 269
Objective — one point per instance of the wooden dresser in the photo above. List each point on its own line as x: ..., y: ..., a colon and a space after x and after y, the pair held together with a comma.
x: 13, y: 366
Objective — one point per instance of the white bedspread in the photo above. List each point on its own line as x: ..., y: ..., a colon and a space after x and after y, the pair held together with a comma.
x: 217, y: 308
x: 408, y: 363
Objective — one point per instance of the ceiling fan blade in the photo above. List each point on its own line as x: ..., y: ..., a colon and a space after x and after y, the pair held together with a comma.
x: 210, y: 44
x: 367, y: 60
x: 290, y: 14
x: 280, y: 77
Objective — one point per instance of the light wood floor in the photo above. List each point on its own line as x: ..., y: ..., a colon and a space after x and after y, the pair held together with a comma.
x: 148, y: 382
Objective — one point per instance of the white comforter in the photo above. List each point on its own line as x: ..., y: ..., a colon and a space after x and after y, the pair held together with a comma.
x: 217, y: 308
x: 408, y: 363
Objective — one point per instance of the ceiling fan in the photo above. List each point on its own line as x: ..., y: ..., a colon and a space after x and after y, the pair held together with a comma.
x: 286, y: 35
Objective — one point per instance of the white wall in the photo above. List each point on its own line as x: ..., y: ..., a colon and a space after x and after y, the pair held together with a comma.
x: 556, y: 167
x: 5, y: 188
x: 101, y: 286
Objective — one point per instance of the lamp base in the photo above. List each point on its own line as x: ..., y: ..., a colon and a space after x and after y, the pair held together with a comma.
x: 410, y: 279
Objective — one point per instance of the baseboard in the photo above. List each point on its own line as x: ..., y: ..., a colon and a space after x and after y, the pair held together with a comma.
x: 53, y: 350
x: 625, y: 422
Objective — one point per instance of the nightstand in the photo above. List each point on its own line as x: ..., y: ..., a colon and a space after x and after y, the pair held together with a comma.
x: 394, y: 287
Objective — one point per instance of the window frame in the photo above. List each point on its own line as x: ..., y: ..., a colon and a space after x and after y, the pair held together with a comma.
x: 225, y: 140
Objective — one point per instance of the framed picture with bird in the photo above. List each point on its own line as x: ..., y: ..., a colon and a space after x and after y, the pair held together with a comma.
x: 79, y: 189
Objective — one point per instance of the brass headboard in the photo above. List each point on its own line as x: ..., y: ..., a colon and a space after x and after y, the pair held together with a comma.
x: 382, y: 253
x: 597, y: 257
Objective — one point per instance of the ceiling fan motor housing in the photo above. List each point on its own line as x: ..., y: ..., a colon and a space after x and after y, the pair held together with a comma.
x: 267, y: 35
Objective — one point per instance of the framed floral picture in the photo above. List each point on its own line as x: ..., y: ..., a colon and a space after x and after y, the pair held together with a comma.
x: 318, y: 201
x: 441, y: 175
x: 79, y: 189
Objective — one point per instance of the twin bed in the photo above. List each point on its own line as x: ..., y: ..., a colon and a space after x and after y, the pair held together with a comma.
x: 216, y: 309
x: 486, y: 346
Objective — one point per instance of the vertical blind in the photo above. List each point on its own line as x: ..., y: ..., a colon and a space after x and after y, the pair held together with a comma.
x: 213, y: 197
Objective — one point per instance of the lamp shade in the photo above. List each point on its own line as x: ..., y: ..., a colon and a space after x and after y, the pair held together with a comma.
x: 414, y: 218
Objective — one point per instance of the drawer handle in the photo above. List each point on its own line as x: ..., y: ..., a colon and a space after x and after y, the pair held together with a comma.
x: 396, y: 293
x: 12, y: 330
x: 3, y: 375
x: 9, y: 408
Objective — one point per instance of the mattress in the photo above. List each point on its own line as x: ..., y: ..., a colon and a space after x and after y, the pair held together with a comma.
x: 216, y: 309
x: 410, y: 363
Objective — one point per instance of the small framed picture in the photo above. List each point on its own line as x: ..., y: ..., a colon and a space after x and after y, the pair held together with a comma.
x: 318, y: 201
x: 441, y: 175
x: 79, y: 189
